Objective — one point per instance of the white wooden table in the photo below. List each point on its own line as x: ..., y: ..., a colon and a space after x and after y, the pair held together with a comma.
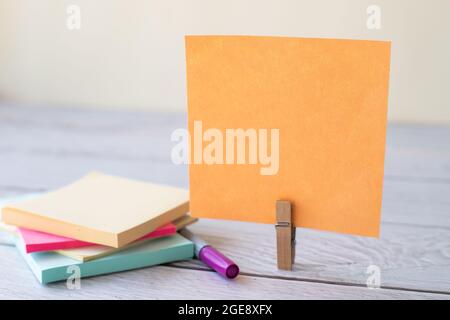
x: 42, y: 149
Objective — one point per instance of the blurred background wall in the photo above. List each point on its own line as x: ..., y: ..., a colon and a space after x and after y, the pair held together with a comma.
x: 130, y: 54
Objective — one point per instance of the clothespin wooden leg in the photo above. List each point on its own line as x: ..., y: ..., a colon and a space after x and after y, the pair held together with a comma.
x: 285, y: 235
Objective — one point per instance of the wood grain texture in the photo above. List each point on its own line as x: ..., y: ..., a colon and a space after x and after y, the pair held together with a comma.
x: 173, y: 283
x: 412, y: 258
x: 42, y: 149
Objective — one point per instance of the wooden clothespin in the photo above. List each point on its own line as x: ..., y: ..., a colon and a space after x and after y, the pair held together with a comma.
x: 285, y: 235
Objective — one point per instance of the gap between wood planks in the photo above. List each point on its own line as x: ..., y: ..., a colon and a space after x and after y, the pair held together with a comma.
x: 391, y: 177
x: 404, y: 224
x: 19, y: 190
x: 284, y: 278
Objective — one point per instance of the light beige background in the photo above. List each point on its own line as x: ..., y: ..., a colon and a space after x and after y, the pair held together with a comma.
x: 130, y: 54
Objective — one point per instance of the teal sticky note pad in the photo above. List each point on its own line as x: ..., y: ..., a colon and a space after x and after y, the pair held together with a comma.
x: 51, y: 266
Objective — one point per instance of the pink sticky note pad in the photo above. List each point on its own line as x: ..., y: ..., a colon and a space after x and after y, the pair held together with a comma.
x: 36, y: 241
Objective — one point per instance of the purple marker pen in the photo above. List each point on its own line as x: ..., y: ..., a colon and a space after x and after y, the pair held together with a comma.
x: 211, y: 256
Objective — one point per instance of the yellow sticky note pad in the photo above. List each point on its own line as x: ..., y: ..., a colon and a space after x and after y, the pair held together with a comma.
x: 326, y: 99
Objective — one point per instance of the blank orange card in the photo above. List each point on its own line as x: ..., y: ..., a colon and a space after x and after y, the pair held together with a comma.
x: 328, y: 99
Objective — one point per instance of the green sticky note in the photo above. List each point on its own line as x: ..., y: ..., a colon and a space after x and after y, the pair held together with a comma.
x: 51, y: 266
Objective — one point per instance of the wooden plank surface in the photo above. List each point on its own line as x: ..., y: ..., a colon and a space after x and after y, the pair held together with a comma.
x: 408, y: 257
x: 165, y: 282
x: 42, y: 149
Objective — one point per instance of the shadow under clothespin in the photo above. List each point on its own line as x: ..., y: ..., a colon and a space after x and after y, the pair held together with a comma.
x: 285, y: 230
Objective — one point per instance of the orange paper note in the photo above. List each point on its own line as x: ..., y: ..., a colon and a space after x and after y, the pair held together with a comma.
x: 294, y: 119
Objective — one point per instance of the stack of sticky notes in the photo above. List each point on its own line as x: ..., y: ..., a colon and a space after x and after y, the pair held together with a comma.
x: 101, y: 224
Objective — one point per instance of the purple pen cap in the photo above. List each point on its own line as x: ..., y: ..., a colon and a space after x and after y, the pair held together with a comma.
x: 218, y: 262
